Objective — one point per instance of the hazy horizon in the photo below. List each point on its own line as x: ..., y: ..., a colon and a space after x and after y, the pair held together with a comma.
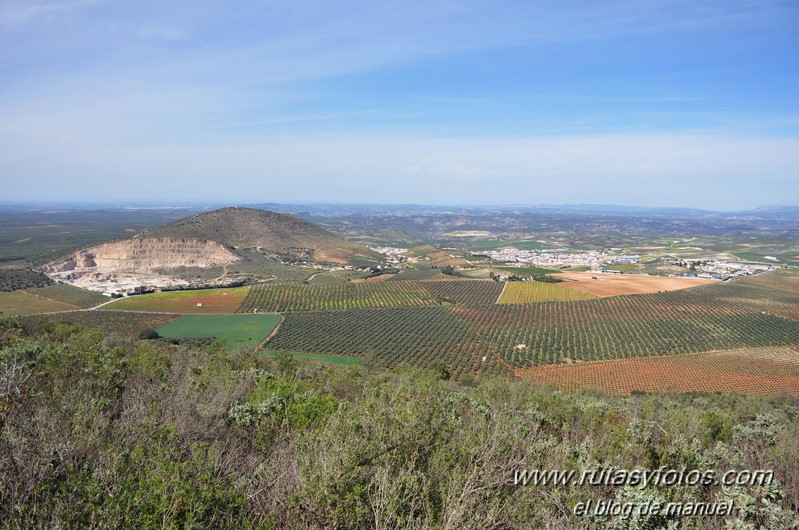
x: 216, y: 204
x: 669, y: 103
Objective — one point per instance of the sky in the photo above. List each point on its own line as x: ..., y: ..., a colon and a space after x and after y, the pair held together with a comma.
x: 647, y: 102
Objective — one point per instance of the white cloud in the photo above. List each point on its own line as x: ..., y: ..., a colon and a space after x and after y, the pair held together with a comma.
x: 13, y: 13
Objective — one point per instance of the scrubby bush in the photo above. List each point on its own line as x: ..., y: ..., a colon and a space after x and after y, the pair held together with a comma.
x: 110, y: 434
x: 149, y: 334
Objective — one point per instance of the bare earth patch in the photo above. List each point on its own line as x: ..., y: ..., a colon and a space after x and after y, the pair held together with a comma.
x: 204, y: 301
x: 770, y: 371
x: 599, y: 284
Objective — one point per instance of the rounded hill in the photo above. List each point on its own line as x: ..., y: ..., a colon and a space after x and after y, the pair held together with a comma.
x: 248, y: 227
x: 241, y: 227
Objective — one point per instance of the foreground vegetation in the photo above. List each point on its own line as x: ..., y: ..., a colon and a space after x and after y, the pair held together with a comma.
x: 126, y: 324
x: 104, y: 431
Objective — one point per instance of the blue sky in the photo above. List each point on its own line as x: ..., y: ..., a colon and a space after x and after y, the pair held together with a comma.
x: 656, y: 102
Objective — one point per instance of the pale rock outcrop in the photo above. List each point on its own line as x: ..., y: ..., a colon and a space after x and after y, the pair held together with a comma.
x: 143, y: 255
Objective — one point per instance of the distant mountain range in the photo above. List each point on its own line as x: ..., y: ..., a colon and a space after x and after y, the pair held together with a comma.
x: 769, y: 210
x: 765, y: 211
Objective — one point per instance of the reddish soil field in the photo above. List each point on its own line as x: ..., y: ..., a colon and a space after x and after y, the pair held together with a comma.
x: 768, y: 371
x: 213, y: 301
x: 599, y: 284
x: 224, y: 303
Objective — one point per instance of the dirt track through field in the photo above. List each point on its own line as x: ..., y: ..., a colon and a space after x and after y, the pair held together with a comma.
x: 272, y: 333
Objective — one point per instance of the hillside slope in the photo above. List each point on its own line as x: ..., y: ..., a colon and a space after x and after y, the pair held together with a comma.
x: 275, y: 232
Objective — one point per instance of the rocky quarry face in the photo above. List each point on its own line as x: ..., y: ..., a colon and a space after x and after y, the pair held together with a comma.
x: 144, y: 255
x: 133, y: 262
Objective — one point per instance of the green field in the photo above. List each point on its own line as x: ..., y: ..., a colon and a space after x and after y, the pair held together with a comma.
x: 247, y: 330
x: 335, y: 359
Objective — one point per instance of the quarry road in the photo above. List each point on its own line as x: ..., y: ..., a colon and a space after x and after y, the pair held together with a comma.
x: 101, y: 305
x: 224, y: 273
x: 110, y: 310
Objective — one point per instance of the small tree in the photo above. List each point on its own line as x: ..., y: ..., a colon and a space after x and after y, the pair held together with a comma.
x: 449, y: 270
x: 149, y: 334
x: 286, y: 363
